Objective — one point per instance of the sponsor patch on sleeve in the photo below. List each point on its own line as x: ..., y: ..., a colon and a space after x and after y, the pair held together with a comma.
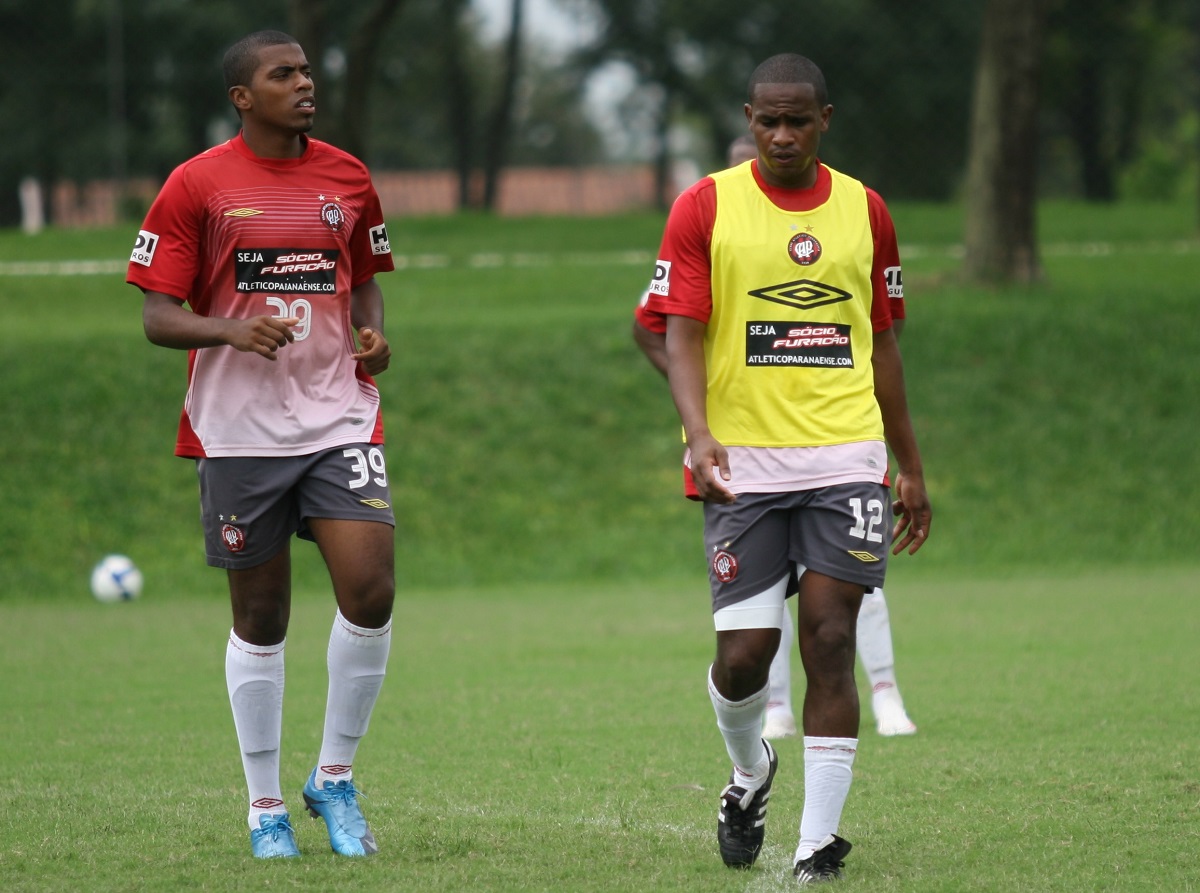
x: 143, y: 248
x: 661, y: 285
x: 379, y: 240
x: 895, y: 282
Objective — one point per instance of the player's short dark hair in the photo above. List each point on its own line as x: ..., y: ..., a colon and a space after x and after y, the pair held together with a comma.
x: 789, y: 68
x: 241, y: 59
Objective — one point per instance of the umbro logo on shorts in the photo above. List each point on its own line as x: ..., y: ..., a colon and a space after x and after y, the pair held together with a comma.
x: 375, y: 503
x: 865, y: 557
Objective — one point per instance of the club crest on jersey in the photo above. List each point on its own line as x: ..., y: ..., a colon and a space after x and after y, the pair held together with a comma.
x: 804, y: 249
x: 332, y: 216
x: 725, y: 566
x: 233, y: 538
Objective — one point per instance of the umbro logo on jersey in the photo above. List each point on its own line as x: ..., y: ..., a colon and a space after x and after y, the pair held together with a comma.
x: 375, y: 503
x: 803, y: 294
x: 865, y: 557
x: 243, y: 212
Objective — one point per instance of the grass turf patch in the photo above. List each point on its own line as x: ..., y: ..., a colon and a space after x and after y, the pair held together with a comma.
x: 560, y: 738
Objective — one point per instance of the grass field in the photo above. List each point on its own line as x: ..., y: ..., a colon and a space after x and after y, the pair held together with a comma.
x: 560, y: 739
x: 545, y: 726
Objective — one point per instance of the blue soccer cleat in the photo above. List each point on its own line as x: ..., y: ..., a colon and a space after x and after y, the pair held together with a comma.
x: 274, y: 838
x: 337, y: 804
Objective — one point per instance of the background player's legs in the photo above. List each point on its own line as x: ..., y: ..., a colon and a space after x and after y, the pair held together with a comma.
x: 254, y: 676
x: 875, y: 651
x: 826, y: 620
x: 781, y: 721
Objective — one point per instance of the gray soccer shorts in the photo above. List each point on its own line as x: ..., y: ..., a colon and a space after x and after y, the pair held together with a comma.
x: 251, y: 505
x: 843, y: 531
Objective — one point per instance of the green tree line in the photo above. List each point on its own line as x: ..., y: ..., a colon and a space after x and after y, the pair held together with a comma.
x: 114, y: 89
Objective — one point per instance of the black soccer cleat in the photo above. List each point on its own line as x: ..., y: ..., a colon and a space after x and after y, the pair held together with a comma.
x: 823, y: 865
x: 742, y: 819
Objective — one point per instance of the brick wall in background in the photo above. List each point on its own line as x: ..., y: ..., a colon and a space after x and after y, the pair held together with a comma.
x: 591, y: 191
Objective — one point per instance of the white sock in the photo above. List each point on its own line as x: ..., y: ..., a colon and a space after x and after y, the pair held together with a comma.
x: 357, y: 660
x: 254, y: 677
x: 780, y: 679
x: 740, y: 723
x: 828, y: 771
x: 875, y: 641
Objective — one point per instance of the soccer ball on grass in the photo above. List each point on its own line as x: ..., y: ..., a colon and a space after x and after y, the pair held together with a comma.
x: 116, y: 579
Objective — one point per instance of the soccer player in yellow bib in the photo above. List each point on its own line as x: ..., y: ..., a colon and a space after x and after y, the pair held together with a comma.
x: 874, y: 633
x: 786, y: 374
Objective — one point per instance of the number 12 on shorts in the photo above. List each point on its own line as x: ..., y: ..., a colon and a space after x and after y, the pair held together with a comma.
x: 867, y: 526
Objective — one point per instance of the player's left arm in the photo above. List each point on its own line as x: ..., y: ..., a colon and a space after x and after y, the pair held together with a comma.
x: 887, y: 281
x: 366, y: 315
x: 911, y: 504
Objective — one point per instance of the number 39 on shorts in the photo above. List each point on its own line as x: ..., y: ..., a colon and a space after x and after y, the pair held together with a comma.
x: 363, y: 465
x: 867, y: 525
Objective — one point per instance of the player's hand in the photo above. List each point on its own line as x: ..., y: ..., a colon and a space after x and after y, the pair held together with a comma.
x: 375, y: 355
x: 913, y: 511
x: 263, y: 335
x: 710, y: 466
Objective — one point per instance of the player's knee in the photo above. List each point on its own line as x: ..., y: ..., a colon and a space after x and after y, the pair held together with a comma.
x: 743, y: 661
x: 829, y: 643
x: 370, y: 604
x: 261, y: 622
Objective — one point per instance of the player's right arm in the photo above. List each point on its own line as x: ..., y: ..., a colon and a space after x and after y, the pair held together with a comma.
x: 681, y: 292
x: 650, y: 335
x: 168, y: 324
x: 688, y: 375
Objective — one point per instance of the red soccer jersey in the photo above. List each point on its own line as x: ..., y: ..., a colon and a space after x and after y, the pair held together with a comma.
x: 237, y: 236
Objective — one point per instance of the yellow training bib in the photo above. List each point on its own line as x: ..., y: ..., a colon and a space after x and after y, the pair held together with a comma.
x: 790, y: 338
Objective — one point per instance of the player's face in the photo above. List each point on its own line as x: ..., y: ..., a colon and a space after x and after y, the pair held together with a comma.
x: 740, y: 153
x: 281, y: 92
x: 786, y: 122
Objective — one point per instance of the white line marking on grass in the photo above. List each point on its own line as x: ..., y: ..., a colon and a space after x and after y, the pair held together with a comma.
x: 63, y: 267
x: 1064, y: 249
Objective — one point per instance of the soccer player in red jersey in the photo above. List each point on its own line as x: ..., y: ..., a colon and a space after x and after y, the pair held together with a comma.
x: 259, y: 258
x: 784, y: 367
